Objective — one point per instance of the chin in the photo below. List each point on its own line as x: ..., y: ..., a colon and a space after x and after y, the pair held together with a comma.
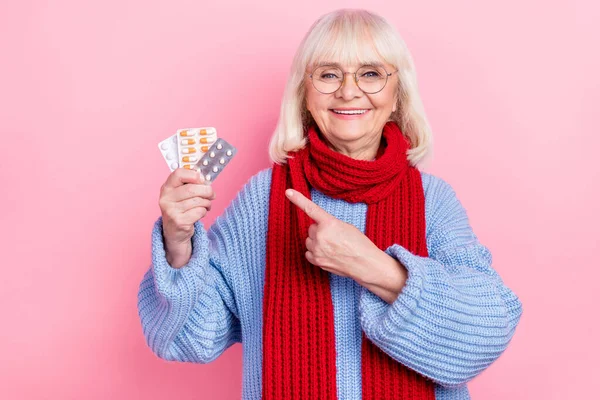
x: 349, y: 133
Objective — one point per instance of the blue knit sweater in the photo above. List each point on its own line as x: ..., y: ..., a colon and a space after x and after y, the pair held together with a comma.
x: 453, y: 318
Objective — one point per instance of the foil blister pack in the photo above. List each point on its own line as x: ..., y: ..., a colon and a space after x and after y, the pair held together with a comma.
x: 217, y: 158
x: 197, y: 148
x: 187, y: 146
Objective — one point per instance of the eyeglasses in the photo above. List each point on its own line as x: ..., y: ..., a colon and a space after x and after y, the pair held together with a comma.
x: 370, y: 79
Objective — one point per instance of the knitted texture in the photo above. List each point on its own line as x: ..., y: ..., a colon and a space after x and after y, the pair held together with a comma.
x: 298, y: 335
x: 453, y: 318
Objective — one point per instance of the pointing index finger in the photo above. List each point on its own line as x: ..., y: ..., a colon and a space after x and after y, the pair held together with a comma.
x: 315, y: 212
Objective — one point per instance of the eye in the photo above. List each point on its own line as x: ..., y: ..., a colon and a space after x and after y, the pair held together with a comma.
x: 329, y: 75
x: 371, y: 74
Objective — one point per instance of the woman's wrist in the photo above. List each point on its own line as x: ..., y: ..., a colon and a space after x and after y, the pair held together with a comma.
x: 178, y: 254
x: 386, y: 277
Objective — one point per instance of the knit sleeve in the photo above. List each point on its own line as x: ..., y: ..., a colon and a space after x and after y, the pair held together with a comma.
x: 454, y: 317
x: 190, y: 314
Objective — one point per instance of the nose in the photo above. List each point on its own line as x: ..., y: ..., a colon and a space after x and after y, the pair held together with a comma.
x: 349, y: 88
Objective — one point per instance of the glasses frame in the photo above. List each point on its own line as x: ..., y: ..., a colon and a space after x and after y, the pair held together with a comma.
x: 387, y: 75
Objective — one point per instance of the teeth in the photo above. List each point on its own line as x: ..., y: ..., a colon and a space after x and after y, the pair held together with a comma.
x: 350, y: 112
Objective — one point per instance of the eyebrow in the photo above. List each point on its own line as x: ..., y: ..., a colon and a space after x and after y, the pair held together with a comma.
x: 327, y: 63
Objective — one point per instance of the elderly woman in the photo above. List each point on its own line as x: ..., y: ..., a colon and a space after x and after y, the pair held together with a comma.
x: 343, y: 270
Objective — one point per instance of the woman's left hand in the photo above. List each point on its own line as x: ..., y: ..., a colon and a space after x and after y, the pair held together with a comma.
x: 334, y: 245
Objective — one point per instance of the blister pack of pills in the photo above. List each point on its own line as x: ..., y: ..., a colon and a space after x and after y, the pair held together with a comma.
x: 168, y: 148
x: 217, y: 157
x: 193, y: 143
x: 187, y: 146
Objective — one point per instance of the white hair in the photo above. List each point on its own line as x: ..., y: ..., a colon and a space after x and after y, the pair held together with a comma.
x: 347, y: 36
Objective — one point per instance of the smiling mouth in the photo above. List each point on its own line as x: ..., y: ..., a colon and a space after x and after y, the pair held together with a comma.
x: 349, y: 112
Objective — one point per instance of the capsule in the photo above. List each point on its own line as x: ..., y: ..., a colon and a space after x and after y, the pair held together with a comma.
x: 187, y: 142
x: 189, y: 166
x: 206, y: 140
x: 205, y: 132
x: 189, y: 159
x: 204, y: 148
x: 186, y: 133
x: 188, y: 150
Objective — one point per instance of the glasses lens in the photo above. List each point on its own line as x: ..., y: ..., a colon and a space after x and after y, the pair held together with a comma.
x: 371, y: 79
x: 327, y: 79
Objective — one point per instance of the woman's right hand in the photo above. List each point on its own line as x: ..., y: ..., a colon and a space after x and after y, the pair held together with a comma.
x: 184, y: 199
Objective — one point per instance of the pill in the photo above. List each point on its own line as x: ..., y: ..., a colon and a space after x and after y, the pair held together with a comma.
x: 219, y: 146
x: 208, y: 177
x: 164, y: 146
x: 212, y: 153
x: 188, y: 141
x: 169, y: 156
x: 174, y: 165
x: 188, y: 150
x: 215, y: 169
x: 222, y: 161
x: 206, y: 140
x: 205, y: 162
x: 189, y: 159
x: 204, y: 148
x: 228, y: 152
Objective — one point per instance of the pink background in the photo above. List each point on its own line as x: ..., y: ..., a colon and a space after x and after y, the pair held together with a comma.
x: 88, y: 89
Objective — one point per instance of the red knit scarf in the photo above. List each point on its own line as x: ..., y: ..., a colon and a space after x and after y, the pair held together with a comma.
x: 299, y: 357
